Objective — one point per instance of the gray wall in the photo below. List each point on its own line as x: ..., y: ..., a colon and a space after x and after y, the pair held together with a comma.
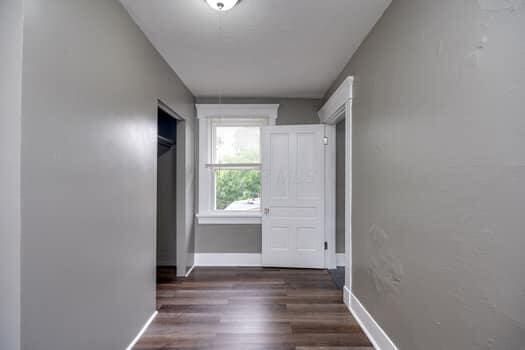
x: 247, y: 238
x: 340, y: 161
x: 91, y: 82
x: 439, y: 174
x: 228, y: 239
x: 166, y: 209
x: 291, y: 110
x: 11, y: 27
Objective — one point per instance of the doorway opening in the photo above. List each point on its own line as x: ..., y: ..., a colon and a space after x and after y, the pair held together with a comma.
x: 166, y: 238
x: 338, y: 274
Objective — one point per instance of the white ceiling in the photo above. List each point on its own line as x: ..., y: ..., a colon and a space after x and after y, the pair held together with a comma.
x: 266, y: 48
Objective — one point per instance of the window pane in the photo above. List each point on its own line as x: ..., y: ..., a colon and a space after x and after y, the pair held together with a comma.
x: 237, y: 189
x: 237, y: 144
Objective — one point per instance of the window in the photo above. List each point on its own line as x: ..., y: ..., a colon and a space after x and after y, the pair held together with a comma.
x: 236, y: 163
x: 236, y: 160
x: 230, y: 161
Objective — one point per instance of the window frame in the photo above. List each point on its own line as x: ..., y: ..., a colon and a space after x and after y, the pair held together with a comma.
x: 210, y: 116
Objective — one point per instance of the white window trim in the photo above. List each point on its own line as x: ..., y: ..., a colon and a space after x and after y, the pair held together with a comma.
x: 206, y: 113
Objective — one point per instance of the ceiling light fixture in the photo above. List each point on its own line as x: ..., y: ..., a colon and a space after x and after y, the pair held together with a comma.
x: 222, y: 5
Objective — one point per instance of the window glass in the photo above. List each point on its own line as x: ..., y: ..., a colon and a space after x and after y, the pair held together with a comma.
x: 237, y: 144
x: 237, y: 189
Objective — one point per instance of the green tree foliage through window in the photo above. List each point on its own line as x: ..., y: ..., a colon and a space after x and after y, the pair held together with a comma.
x: 234, y: 185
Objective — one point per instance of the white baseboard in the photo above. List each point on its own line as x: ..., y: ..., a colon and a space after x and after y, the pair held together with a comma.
x: 228, y: 259
x: 240, y: 259
x: 189, y: 271
x: 340, y: 259
x: 146, y: 325
x: 346, y: 297
x: 380, y: 340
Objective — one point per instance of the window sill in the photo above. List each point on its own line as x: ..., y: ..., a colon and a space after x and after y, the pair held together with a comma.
x: 235, y: 218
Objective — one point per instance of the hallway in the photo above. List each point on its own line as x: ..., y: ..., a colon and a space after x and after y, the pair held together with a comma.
x: 252, y: 308
x: 301, y: 174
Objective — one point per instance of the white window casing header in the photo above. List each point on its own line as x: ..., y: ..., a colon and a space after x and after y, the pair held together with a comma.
x: 243, y: 111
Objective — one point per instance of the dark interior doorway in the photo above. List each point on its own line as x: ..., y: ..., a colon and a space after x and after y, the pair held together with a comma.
x: 340, y: 156
x: 166, y: 196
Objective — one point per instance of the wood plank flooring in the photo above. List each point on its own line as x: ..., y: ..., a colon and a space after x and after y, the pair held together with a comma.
x: 252, y: 309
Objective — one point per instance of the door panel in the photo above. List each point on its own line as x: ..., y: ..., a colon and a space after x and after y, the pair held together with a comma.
x: 292, y: 192
x: 279, y: 167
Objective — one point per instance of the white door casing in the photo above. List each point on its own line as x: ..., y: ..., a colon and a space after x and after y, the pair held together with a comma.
x: 293, y: 186
x: 336, y: 108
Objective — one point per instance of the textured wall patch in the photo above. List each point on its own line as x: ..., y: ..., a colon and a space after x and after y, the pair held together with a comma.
x: 385, y: 269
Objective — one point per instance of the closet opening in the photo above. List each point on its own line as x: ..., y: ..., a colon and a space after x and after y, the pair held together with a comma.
x: 166, y: 238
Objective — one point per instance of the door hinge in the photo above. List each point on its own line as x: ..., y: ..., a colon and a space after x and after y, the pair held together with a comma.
x: 325, y: 245
x: 325, y: 140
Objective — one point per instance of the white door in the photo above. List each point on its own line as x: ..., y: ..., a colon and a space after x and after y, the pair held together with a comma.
x: 293, y: 196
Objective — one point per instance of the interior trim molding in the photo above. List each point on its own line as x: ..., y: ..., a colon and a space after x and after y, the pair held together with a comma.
x: 207, y: 110
x: 340, y: 259
x: 380, y: 340
x: 330, y: 259
x: 228, y: 259
x: 334, y: 109
x: 346, y: 297
x: 189, y: 271
x: 143, y: 329
x: 337, y: 108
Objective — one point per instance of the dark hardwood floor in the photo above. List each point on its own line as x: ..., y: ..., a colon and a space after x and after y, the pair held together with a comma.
x: 252, y: 309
